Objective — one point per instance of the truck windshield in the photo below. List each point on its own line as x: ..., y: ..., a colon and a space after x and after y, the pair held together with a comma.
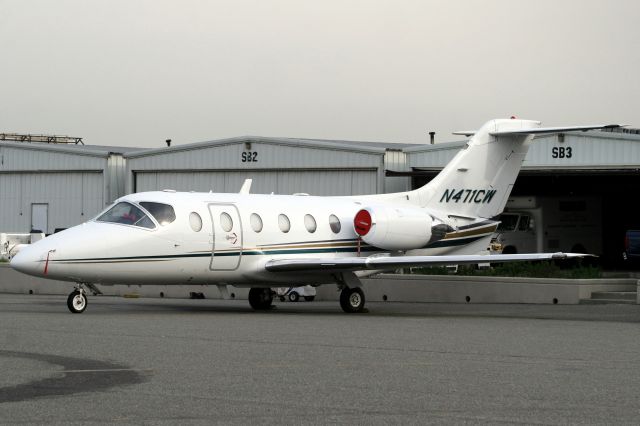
x: 126, y: 214
x: 524, y: 223
x: 508, y: 222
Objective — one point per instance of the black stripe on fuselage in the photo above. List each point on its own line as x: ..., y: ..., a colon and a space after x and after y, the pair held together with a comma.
x: 353, y: 249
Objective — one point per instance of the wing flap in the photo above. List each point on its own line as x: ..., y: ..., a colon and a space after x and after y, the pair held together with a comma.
x: 395, y: 262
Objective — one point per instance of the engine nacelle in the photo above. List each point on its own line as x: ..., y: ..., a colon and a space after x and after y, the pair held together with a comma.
x: 394, y: 228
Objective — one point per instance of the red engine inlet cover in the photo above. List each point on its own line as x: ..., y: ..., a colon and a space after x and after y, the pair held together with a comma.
x: 362, y: 222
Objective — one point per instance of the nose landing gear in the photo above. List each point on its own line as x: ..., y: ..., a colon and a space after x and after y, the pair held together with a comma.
x: 77, y: 300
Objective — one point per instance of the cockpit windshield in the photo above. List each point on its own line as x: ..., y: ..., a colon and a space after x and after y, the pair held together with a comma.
x: 162, y: 213
x: 127, y: 214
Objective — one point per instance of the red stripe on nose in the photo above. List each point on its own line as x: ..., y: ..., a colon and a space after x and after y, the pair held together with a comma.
x: 46, y: 265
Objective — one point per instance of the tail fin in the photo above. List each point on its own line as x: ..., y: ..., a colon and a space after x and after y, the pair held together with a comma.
x: 478, y: 180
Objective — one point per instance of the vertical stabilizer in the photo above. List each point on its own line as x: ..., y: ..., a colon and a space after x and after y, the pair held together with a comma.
x: 479, y: 179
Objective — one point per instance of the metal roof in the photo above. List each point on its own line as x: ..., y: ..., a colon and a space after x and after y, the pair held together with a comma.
x: 436, y: 147
x: 590, y: 150
x: 340, y: 145
x: 93, y: 150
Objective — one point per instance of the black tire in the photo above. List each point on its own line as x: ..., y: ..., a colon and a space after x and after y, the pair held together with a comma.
x: 282, y: 299
x: 309, y: 298
x: 77, y: 302
x: 509, y: 250
x: 260, y: 299
x: 294, y: 296
x: 352, y: 300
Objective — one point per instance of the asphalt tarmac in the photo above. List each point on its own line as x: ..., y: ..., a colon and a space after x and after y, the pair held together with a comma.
x: 162, y: 361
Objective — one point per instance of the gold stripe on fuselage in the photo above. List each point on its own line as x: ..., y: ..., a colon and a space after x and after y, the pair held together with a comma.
x: 472, y: 232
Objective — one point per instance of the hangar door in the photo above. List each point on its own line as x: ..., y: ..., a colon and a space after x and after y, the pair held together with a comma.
x: 314, y: 182
x: 70, y: 198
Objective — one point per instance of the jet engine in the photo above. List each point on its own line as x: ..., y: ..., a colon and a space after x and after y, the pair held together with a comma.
x: 397, y: 228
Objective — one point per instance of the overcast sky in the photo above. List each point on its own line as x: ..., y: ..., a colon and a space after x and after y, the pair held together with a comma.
x: 134, y: 73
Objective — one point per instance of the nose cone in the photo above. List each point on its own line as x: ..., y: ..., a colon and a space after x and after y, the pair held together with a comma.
x: 30, y: 260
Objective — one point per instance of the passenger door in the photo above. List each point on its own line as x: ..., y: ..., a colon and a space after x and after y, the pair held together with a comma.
x: 40, y: 217
x: 226, y: 229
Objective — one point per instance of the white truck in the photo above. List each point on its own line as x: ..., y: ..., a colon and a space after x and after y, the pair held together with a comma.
x: 295, y: 293
x: 11, y: 243
x: 537, y: 224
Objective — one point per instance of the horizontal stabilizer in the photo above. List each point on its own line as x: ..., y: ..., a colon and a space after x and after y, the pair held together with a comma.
x: 543, y: 130
x: 395, y: 262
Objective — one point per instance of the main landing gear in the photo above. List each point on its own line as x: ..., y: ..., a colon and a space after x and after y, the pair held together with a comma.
x: 77, y: 300
x: 351, y: 294
x: 260, y: 299
x: 352, y: 299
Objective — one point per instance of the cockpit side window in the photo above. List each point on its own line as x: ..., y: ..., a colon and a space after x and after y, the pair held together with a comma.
x: 163, y: 213
x: 127, y: 214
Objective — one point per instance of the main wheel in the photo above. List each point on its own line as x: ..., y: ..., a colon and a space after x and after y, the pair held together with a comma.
x: 260, y: 298
x: 294, y: 297
x: 352, y: 300
x: 309, y: 298
x: 77, y: 302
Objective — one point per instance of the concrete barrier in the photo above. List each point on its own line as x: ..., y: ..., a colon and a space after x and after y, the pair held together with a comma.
x: 15, y: 282
x: 383, y: 287
x: 470, y: 289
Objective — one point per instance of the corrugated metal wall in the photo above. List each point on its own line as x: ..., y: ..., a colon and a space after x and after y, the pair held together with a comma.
x: 396, y: 161
x: 282, y: 168
x: 433, y: 156
x: 315, y: 182
x: 576, y: 150
x: 70, y: 181
x: 580, y: 150
x: 269, y: 156
x: 72, y: 198
x: 43, y: 157
x: 115, y: 177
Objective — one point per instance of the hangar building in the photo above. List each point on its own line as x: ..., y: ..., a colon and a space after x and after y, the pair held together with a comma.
x: 279, y: 165
x: 46, y: 186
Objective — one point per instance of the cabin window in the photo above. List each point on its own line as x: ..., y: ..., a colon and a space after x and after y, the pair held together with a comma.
x: 195, y: 221
x: 226, y: 223
x: 126, y: 214
x: 334, y: 224
x: 162, y: 213
x: 256, y: 222
x: 284, y: 223
x: 310, y: 223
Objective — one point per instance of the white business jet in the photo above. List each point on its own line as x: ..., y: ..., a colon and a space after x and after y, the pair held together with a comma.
x: 264, y: 241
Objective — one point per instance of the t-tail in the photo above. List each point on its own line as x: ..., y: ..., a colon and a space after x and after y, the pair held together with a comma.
x: 478, y: 180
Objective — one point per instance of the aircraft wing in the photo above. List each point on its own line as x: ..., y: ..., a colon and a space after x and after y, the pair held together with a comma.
x: 395, y: 262
x: 543, y: 130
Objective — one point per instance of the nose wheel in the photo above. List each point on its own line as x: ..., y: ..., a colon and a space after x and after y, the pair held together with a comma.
x: 77, y: 301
